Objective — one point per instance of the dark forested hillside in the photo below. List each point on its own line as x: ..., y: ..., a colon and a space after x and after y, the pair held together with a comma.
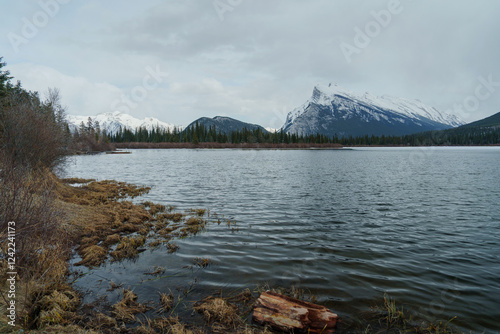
x: 483, y: 132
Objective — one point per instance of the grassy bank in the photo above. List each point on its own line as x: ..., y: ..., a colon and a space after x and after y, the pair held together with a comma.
x: 97, y: 222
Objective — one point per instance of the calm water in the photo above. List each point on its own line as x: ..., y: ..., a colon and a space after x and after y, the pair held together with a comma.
x: 422, y: 225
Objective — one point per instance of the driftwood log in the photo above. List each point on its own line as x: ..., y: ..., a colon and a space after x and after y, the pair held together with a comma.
x: 293, y: 315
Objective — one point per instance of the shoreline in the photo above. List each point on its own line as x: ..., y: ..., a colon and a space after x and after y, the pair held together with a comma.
x: 106, y: 226
x: 269, y: 146
x: 213, y: 145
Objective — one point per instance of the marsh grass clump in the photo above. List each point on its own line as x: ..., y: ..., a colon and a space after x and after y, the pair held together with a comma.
x: 193, y: 226
x: 147, y: 204
x: 161, y: 224
x: 195, y: 221
x: 173, y: 216
x: 218, y: 311
x: 128, y: 247
x: 112, y: 240
x: 93, y: 256
x: 166, y: 302
x: 128, y: 228
x: 58, y: 307
x: 172, y: 247
x: 100, y: 192
x: 154, y: 208
x: 155, y: 243
x: 166, y: 231
x: 89, y: 241
x: 202, y: 262
x: 198, y: 212
x: 126, y: 309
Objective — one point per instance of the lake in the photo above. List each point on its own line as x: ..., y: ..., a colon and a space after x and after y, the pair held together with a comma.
x: 419, y: 224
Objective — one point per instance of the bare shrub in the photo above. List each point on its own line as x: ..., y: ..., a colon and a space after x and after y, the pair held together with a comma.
x: 30, y: 133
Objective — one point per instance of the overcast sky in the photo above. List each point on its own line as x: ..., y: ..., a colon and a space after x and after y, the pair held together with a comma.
x: 254, y: 60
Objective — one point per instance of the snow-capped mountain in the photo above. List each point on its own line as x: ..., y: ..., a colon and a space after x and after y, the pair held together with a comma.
x: 114, y: 120
x: 333, y: 110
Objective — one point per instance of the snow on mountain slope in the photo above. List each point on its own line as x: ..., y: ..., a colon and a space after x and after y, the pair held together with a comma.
x: 335, y: 110
x: 112, y: 122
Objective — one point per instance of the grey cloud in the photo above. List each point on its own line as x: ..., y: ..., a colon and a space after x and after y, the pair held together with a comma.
x: 267, y: 55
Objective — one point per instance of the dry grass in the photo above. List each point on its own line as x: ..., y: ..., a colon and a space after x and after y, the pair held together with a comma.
x: 101, y: 192
x: 193, y: 226
x: 92, y: 256
x: 101, y: 321
x: 126, y: 309
x: 98, y: 217
x: 175, y: 216
x: 219, y: 312
x: 128, y: 248
x: 112, y: 240
x: 154, y: 208
x: 156, y: 243
x: 58, y: 307
x: 166, y: 302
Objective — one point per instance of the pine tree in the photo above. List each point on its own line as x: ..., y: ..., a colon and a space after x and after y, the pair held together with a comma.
x: 5, y: 77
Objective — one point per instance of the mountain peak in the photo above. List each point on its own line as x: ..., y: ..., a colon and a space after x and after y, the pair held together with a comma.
x: 325, y: 95
x: 332, y: 107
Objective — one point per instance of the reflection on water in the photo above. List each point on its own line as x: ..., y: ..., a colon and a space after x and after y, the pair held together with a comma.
x: 422, y: 225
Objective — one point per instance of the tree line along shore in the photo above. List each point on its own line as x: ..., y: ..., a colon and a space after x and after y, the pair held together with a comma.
x: 200, y: 136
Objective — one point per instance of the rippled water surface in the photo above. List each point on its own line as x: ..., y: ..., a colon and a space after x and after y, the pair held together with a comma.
x: 422, y: 225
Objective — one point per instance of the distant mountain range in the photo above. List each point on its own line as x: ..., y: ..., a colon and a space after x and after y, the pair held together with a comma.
x: 225, y: 125
x: 114, y: 120
x: 331, y: 111
x: 335, y: 111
